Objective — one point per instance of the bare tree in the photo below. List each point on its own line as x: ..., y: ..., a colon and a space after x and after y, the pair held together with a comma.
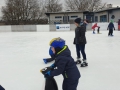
x: 53, y: 6
x: 20, y: 10
x: 82, y: 5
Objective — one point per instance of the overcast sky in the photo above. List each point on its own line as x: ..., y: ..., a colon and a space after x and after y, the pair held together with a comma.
x: 114, y: 2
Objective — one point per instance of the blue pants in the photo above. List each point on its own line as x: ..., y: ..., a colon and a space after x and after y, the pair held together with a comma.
x: 81, y: 48
x: 70, y: 84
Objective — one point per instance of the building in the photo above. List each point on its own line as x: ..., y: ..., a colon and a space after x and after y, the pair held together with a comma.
x: 107, y: 14
x: 104, y: 15
x: 68, y: 16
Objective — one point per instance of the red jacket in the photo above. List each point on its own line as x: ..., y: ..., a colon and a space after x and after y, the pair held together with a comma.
x: 94, y: 26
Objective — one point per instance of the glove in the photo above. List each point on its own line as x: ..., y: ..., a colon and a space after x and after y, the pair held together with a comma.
x: 45, y: 61
x: 46, y: 70
x: 47, y: 75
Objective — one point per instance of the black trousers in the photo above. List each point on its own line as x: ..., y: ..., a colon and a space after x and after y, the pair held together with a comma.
x: 110, y: 32
x: 70, y: 84
x: 81, y: 48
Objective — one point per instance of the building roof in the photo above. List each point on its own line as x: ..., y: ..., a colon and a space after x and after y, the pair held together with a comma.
x: 108, y: 9
x: 48, y: 13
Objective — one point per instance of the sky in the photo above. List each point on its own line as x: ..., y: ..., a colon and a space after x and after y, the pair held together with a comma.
x: 114, y: 2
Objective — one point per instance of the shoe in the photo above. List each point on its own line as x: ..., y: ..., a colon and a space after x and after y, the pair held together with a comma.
x: 84, y: 64
x: 78, y: 61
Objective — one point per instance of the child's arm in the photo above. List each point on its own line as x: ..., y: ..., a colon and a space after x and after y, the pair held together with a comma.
x: 60, y: 66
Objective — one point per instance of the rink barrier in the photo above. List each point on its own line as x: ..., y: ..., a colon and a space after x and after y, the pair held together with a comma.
x: 6, y: 28
x: 42, y: 28
x: 23, y: 28
x: 46, y: 28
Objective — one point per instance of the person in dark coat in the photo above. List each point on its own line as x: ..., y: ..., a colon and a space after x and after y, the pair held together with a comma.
x: 64, y: 64
x: 110, y: 28
x: 80, y: 41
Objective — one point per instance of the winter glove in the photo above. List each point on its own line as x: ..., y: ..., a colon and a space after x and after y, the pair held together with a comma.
x: 45, y: 70
x: 45, y: 61
x: 47, y: 75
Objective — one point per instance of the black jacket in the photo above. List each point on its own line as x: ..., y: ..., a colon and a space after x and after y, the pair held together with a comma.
x: 111, y: 26
x: 80, y: 37
x: 65, y: 65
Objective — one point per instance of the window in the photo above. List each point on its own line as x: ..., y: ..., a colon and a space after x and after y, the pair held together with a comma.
x: 58, y: 16
x: 103, y: 18
x: 74, y: 16
x: 96, y: 18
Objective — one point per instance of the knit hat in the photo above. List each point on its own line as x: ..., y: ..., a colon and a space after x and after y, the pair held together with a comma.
x: 111, y: 21
x: 77, y: 20
x: 57, y: 42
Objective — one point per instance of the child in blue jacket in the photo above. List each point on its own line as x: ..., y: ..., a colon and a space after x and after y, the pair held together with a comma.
x: 64, y: 64
x: 111, y: 27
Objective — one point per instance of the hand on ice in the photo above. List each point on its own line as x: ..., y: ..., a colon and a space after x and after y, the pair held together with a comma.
x: 45, y: 61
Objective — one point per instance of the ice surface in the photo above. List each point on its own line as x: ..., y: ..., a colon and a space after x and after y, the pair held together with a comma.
x: 21, y: 55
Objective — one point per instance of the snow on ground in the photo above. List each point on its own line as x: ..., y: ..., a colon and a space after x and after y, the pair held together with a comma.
x: 21, y: 55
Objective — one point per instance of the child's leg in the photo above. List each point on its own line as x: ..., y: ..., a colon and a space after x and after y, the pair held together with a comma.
x: 78, y: 54
x: 98, y: 29
x: 93, y: 31
x: 109, y: 32
x: 82, y: 49
x: 78, y: 50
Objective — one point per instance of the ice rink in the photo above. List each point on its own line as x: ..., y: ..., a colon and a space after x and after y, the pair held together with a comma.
x: 22, y: 53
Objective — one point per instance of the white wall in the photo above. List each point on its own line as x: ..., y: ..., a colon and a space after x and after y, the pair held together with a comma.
x: 6, y: 28
x: 43, y: 28
x: 103, y: 26
x: 23, y: 28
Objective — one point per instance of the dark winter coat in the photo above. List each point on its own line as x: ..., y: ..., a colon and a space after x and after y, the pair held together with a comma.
x: 111, y: 26
x: 65, y: 65
x: 80, y: 37
x: 1, y: 88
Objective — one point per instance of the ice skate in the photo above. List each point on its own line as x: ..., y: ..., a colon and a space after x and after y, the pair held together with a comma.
x: 84, y: 64
x: 78, y: 61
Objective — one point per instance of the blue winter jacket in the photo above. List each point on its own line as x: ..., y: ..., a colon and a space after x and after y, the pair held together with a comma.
x: 65, y: 65
x: 111, y: 26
